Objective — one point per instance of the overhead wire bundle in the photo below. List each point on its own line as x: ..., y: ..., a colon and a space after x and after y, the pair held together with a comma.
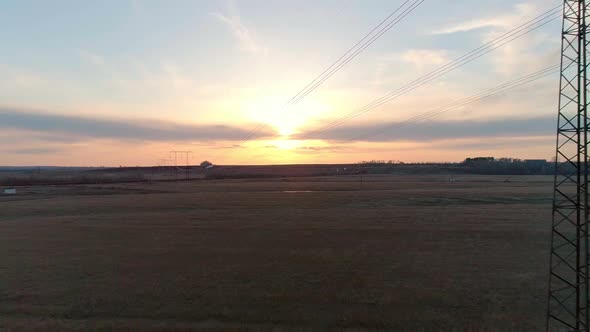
x: 505, y: 87
x: 390, y: 21
x: 507, y: 37
x: 520, y: 31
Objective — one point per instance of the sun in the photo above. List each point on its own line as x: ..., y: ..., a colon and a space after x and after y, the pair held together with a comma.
x: 286, y: 144
x: 286, y: 125
x: 286, y: 120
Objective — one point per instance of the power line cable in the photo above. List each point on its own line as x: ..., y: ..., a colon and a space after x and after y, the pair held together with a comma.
x: 368, y: 39
x: 457, y: 104
x: 518, y: 32
x: 357, y: 52
x: 347, y: 53
x: 471, y: 56
x: 512, y: 85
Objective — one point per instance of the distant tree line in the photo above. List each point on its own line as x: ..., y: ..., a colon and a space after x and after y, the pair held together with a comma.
x: 475, y: 165
x: 490, y: 165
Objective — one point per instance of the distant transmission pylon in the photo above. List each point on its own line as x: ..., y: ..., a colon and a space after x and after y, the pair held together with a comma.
x: 187, y: 169
x: 568, y: 300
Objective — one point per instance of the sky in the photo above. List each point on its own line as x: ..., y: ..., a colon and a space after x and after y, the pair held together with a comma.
x: 122, y: 83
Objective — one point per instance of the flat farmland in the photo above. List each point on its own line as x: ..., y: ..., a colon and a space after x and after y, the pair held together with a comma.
x: 354, y: 253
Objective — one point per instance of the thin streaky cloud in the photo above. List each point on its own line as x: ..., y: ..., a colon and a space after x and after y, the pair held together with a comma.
x: 520, y: 12
x: 243, y: 34
x: 78, y: 128
x: 419, y: 58
x: 433, y: 130
x: 36, y: 151
x: 473, y: 25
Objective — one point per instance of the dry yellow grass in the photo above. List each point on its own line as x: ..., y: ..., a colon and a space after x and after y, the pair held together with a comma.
x: 385, y: 253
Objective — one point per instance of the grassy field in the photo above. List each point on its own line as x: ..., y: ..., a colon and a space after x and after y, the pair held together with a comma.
x: 371, y: 253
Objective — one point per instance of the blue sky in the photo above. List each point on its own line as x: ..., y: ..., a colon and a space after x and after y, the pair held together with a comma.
x: 144, y: 75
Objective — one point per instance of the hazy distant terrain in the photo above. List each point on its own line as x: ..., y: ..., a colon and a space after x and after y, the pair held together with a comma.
x: 47, y: 175
x: 371, y: 252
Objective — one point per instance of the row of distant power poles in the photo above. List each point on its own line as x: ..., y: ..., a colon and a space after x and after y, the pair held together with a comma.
x: 174, y: 158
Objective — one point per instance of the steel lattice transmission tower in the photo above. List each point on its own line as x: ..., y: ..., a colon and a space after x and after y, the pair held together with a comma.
x: 568, y: 305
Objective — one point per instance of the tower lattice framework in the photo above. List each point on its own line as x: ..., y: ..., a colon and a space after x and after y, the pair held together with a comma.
x: 568, y: 302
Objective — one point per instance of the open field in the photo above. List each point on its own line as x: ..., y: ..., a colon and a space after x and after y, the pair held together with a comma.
x: 361, y: 253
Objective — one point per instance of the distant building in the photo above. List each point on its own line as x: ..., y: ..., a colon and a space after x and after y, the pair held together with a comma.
x: 9, y: 191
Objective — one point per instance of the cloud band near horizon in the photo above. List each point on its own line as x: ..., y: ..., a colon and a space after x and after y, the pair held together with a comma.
x: 77, y: 128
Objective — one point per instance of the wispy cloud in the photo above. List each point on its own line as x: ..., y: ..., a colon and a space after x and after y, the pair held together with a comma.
x: 245, y: 37
x: 419, y: 58
x: 473, y: 25
x: 75, y: 128
x: 446, y: 129
x: 521, y: 10
x: 536, y: 50
x: 36, y: 151
x: 521, y: 142
x: 91, y: 57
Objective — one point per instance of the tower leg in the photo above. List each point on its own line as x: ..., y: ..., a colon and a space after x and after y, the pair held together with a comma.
x: 568, y: 293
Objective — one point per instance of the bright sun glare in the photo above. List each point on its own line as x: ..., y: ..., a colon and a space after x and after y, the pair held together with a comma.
x: 286, y: 144
x: 285, y: 120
